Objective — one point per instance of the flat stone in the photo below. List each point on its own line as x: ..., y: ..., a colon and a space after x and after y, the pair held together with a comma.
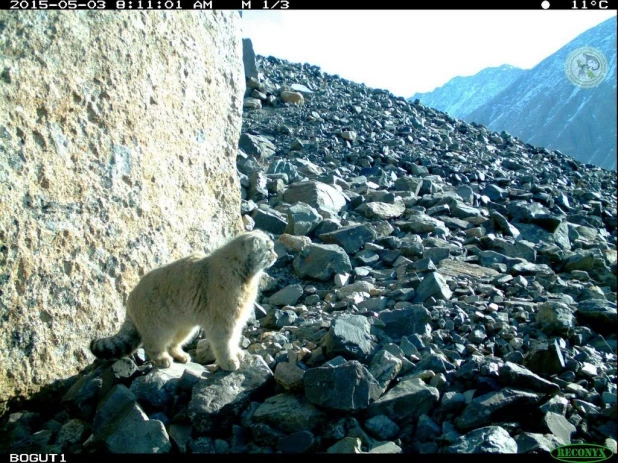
x: 518, y: 376
x: 286, y: 296
x: 538, y: 443
x: 559, y: 426
x: 494, y: 406
x: 404, y: 322
x: 289, y: 376
x: 349, y: 336
x: 351, y: 238
x: 302, y: 219
x: 379, y: 210
x: 422, y: 223
x: 343, y: 387
x: 298, y: 442
x: 384, y: 368
x: 346, y: 445
x: 386, y: 447
x: 289, y: 413
x: 382, y: 427
x: 157, y: 388
x: 316, y: 194
x: 256, y: 145
x: 321, y: 261
x: 433, y: 285
x: 408, y: 400
x: 490, y: 439
x: 456, y: 268
x: 555, y: 317
x: 219, y: 397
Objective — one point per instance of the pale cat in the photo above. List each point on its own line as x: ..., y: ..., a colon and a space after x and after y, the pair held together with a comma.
x: 215, y: 292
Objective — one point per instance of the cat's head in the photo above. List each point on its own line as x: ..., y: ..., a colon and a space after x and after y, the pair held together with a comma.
x: 258, y: 251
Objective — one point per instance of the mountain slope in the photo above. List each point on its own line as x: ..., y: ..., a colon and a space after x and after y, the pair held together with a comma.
x: 545, y: 108
x: 462, y: 95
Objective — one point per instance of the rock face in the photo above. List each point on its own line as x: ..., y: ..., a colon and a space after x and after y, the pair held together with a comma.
x: 118, y: 141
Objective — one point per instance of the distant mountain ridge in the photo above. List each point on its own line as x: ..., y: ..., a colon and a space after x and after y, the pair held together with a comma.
x: 462, y: 95
x: 542, y: 107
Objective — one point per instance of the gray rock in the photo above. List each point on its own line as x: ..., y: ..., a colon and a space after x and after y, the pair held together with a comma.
x: 156, y: 389
x: 494, y: 406
x: 380, y: 210
x: 411, y: 184
x: 579, y: 261
x: 202, y: 445
x: 555, y: 317
x: 298, y: 442
x: 349, y: 336
x: 72, y: 432
x: 302, y: 219
x: 382, y: 427
x: 517, y: 376
x: 545, y: 359
x: 504, y: 225
x: 422, y: 223
x: 433, y: 285
x: 181, y: 435
x: 386, y: 447
x: 286, y: 296
x: 490, y: 439
x: 219, y: 397
x: 559, y: 426
x: 321, y: 261
x: 598, y: 315
x: 269, y: 220
x: 346, y: 445
x: 407, y: 401
x: 427, y: 429
x: 343, y: 387
x: 117, y: 402
x: 452, y: 401
x: 404, y: 322
x: 351, y: 238
x: 277, y: 319
x: 281, y: 166
x: 289, y: 376
x: 537, y: 443
x: 384, y: 368
x: 81, y: 398
x: 319, y: 195
x: 132, y: 432
x: 248, y: 59
x: 518, y: 249
x: 289, y: 413
x: 256, y: 145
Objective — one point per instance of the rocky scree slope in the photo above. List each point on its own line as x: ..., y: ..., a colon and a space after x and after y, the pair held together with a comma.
x: 440, y: 289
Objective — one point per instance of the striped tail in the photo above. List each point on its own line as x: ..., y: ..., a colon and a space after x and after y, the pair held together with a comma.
x: 125, y: 342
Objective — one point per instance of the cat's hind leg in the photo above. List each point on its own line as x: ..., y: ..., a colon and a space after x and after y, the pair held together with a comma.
x: 182, y: 336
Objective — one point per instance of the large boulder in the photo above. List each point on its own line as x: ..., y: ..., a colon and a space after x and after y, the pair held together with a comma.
x: 118, y: 140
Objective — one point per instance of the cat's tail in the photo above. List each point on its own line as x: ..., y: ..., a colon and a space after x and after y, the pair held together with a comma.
x: 125, y: 342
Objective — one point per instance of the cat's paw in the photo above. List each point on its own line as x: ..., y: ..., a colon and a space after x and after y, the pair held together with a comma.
x: 180, y: 355
x: 229, y: 364
x: 163, y: 362
x: 182, y: 358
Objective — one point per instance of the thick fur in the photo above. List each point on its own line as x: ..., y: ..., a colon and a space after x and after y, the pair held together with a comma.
x: 214, y: 292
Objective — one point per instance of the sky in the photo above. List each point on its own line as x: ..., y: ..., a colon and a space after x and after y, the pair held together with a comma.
x: 409, y: 51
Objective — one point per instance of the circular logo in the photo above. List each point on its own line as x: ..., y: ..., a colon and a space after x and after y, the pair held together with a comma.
x: 586, y: 67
